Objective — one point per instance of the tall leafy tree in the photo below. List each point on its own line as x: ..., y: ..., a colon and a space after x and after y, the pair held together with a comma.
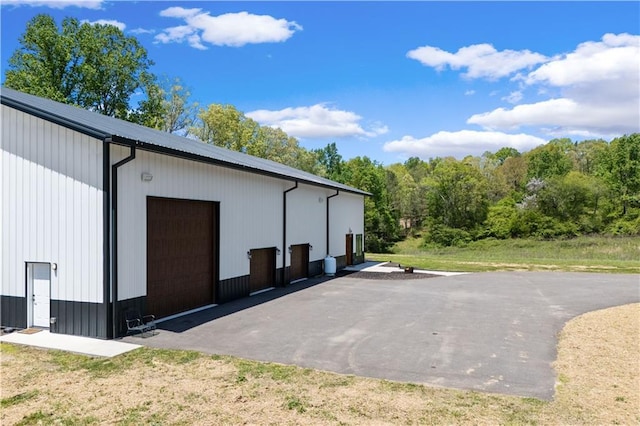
x: 90, y: 65
x: 406, y: 197
x: 506, y: 152
x: 457, y: 196
x: 550, y: 160
x: 620, y: 168
x: 167, y: 107
x: 330, y: 161
x: 514, y: 170
x: 227, y: 127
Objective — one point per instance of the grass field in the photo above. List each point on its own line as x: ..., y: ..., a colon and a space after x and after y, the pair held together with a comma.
x: 582, y: 254
x: 597, y: 367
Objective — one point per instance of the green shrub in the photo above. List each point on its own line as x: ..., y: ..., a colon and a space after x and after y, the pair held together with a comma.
x: 443, y: 236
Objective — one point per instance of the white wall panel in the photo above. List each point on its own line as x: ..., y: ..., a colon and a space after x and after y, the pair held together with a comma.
x: 52, y: 206
x: 250, y: 211
x: 306, y: 220
x: 346, y: 212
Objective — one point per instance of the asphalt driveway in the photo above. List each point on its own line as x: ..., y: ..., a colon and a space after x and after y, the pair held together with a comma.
x: 494, y: 332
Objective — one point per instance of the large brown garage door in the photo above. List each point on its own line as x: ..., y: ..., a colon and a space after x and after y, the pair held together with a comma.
x: 181, y: 255
x: 262, y: 269
x: 299, y: 262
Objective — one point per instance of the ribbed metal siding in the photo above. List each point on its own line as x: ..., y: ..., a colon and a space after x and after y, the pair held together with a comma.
x: 52, y: 207
x: 306, y: 220
x: 346, y: 212
x: 250, y: 211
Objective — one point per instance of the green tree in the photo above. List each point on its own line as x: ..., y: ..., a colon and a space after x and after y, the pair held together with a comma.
x: 93, y: 66
x: 225, y: 126
x: 549, y: 160
x: 166, y: 107
x: 330, y: 162
x: 506, y: 152
x: 275, y: 145
x: 406, y: 197
x: 586, y: 154
x: 514, y: 170
x: 567, y: 197
x: 457, y: 196
x: 619, y: 166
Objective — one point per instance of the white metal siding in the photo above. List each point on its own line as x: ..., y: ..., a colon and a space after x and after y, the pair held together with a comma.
x: 51, y: 206
x: 307, y: 220
x: 346, y: 212
x: 250, y: 211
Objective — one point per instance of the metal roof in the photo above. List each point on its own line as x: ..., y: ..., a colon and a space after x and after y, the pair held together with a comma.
x: 104, y: 127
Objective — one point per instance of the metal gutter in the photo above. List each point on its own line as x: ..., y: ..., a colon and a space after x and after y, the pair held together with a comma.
x: 106, y: 231
x: 328, y: 198
x: 114, y: 239
x: 284, y: 230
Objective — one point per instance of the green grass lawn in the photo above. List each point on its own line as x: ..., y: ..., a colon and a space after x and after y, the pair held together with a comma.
x: 582, y: 254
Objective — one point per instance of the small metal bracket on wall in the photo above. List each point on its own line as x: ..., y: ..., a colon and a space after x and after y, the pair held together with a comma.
x: 249, y: 254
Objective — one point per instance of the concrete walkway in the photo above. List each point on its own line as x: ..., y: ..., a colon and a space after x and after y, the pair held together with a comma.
x: 63, y: 342
x: 379, y: 267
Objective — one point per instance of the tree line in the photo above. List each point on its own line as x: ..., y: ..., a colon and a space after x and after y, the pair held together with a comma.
x: 560, y: 189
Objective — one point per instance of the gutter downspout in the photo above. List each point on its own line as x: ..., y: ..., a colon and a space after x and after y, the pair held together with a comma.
x: 106, y: 231
x: 114, y: 218
x: 284, y: 230
x: 328, y: 198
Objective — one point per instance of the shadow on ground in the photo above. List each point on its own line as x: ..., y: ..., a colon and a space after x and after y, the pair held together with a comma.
x: 186, y: 322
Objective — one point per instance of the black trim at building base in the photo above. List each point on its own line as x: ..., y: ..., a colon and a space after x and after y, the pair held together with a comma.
x: 233, y: 288
x: 14, y: 311
x: 316, y: 267
x: 68, y: 317
x: 79, y: 318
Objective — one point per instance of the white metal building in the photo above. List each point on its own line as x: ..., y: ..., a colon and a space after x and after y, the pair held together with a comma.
x: 94, y: 210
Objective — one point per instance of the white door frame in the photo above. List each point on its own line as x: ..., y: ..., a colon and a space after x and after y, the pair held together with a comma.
x: 31, y: 310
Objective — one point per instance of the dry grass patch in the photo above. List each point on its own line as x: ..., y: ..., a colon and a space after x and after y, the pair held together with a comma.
x: 597, y: 365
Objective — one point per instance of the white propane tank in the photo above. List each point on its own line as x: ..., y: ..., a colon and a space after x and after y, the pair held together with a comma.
x: 330, y: 266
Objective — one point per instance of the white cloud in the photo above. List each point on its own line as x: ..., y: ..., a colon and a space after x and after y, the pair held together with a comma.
x: 470, y: 92
x: 141, y: 31
x: 480, y: 60
x: 513, y: 97
x: 316, y: 121
x: 120, y: 25
x: 615, y: 58
x: 564, y: 115
x: 599, y: 86
x: 460, y: 144
x: 55, y: 4
x: 229, y: 29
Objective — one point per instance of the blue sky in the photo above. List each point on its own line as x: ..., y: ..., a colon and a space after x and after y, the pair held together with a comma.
x: 390, y: 80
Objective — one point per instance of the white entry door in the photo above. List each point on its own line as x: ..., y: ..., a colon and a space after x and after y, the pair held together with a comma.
x: 41, y: 293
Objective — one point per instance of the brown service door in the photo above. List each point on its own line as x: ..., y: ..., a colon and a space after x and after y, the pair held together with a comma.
x: 349, y: 249
x: 262, y: 269
x: 299, y: 262
x: 181, y: 255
